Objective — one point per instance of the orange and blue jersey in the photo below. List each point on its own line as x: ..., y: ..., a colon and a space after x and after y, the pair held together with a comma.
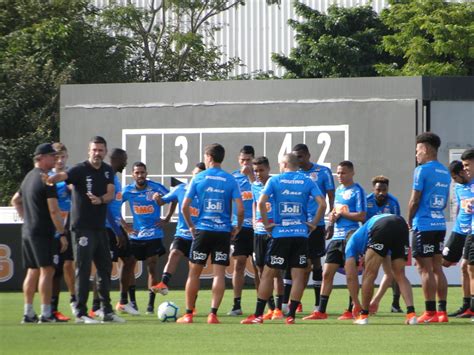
x: 291, y: 192
x: 114, y: 207
x: 349, y: 199
x: 145, y: 211
x: 257, y: 188
x: 463, y: 193
x: 247, y: 199
x: 390, y: 206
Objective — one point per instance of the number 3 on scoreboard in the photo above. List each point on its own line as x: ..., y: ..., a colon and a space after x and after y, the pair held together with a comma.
x: 182, y: 142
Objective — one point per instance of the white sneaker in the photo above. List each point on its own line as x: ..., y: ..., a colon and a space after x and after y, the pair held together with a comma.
x: 99, y: 313
x: 112, y: 318
x: 127, y: 308
x: 362, y: 320
x: 236, y: 312
x: 87, y: 320
x: 73, y: 308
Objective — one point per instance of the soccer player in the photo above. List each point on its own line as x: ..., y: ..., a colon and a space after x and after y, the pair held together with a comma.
x: 37, y: 204
x: 215, y: 190
x: 381, y: 234
x: 426, y: 218
x: 146, y: 236
x: 453, y: 250
x: 65, y: 265
x: 349, y: 210
x: 93, y: 189
x: 261, y: 169
x: 181, y: 245
x: 378, y: 202
x: 467, y: 159
x: 242, y: 243
x: 291, y: 191
x: 322, y: 176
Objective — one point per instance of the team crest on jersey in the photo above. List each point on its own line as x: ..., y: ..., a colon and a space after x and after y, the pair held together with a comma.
x: 106, y: 174
x: 83, y: 241
x: 302, y: 259
x: 149, y: 195
x: 55, y: 259
x: 346, y: 195
x: 314, y: 176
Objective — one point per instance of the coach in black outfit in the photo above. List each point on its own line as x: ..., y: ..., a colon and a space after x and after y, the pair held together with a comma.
x: 37, y: 204
x: 93, y: 188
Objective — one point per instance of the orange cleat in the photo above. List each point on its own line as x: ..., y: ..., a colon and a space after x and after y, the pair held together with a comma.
x: 60, y: 317
x: 299, y: 309
x: 252, y: 319
x: 346, y: 316
x: 428, y: 317
x: 289, y: 320
x: 160, y: 288
x: 411, y: 319
x: 269, y: 315
x: 442, y: 317
x: 212, y: 319
x: 362, y: 319
x: 186, y: 319
x: 316, y: 315
x: 277, y: 314
x: 466, y: 314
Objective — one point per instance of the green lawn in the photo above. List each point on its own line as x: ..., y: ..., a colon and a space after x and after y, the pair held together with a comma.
x: 386, y: 332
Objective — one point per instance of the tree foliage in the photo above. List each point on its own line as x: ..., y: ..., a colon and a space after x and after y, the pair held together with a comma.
x: 433, y: 37
x: 345, y: 42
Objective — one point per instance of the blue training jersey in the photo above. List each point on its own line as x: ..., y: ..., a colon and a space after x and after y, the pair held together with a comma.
x: 433, y: 180
x: 257, y: 188
x: 215, y: 189
x: 145, y: 211
x: 114, y: 208
x: 322, y: 176
x: 177, y: 194
x: 291, y: 191
x: 463, y: 193
x: 247, y: 199
x: 349, y: 199
x: 357, y: 244
x: 390, y: 206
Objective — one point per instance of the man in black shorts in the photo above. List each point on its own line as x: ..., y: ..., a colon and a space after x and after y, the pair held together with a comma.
x: 242, y: 243
x: 215, y: 190
x: 37, y: 204
x: 93, y: 189
x: 379, y: 235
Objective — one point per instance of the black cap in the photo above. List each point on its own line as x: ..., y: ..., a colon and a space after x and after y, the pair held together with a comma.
x: 45, y: 148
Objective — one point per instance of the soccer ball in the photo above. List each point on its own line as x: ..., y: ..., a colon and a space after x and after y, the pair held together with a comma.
x: 168, y: 312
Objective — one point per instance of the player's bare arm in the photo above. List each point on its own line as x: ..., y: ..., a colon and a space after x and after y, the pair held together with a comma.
x: 413, y: 204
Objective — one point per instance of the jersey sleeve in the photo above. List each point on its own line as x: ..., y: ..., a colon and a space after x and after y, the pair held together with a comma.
x: 110, y: 176
x: 314, y: 189
x: 191, y: 193
x: 51, y: 191
x: 236, y: 190
x: 269, y: 187
x: 125, y: 195
x: 73, y: 175
x: 396, y: 207
x: 354, y: 246
x: 361, y: 201
x: 418, y: 179
x: 329, y: 181
x: 170, y: 196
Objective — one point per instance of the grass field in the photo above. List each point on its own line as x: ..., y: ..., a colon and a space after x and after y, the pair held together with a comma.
x: 386, y: 332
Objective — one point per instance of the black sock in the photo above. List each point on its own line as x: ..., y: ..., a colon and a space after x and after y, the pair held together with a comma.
x: 72, y: 299
x: 317, y: 294
x: 165, y: 278
x: 236, y: 305
x: 271, y: 303
x: 293, y: 306
x: 286, y: 295
x: 323, y: 303
x: 54, y: 303
x: 214, y: 311
x: 131, y: 293
x: 364, y: 312
x: 442, y: 306
x: 396, y: 301
x: 465, y: 302
x: 260, y: 307
x: 123, y: 297
x: 430, y: 306
x: 151, y: 298
x: 472, y: 303
x: 189, y: 311
x: 410, y: 309
x: 350, y: 305
x: 279, y: 301
x: 95, y: 304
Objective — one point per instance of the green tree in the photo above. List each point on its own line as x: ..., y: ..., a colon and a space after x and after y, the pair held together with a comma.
x: 167, y: 38
x: 433, y: 37
x: 345, y: 42
x: 44, y: 44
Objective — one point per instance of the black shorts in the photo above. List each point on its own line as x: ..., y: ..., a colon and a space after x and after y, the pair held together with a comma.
x: 68, y: 254
x: 453, y: 249
x: 428, y: 243
x: 260, y: 247
x: 113, y: 245
x: 335, y: 252
x: 287, y: 251
x: 469, y: 249
x: 38, y: 251
x: 243, y: 242
x: 317, y: 243
x: 390, y: 234
x: 143, y: 249
x: 209, y: 242
x: 181, y: 244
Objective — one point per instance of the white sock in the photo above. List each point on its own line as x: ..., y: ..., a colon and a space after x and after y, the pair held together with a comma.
x: 46, y: 310
x: 28, y: 310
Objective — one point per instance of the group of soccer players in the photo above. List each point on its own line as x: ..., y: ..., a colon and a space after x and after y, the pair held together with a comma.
x: 279, y: 221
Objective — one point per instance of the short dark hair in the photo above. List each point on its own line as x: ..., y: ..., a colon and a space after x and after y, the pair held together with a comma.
x: 215, y: 151
x: 248, y: 149
x: 201, y: 166
x: 455, y: 167
x: 301, y: 147
x: 347, y: 164
x: 116, y: 152
x: 98, y: 140
x: 138, y: 164
x: 379, y: 179
x: 261, y: 161
x: 429, y: 138
x: 468, y: 154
